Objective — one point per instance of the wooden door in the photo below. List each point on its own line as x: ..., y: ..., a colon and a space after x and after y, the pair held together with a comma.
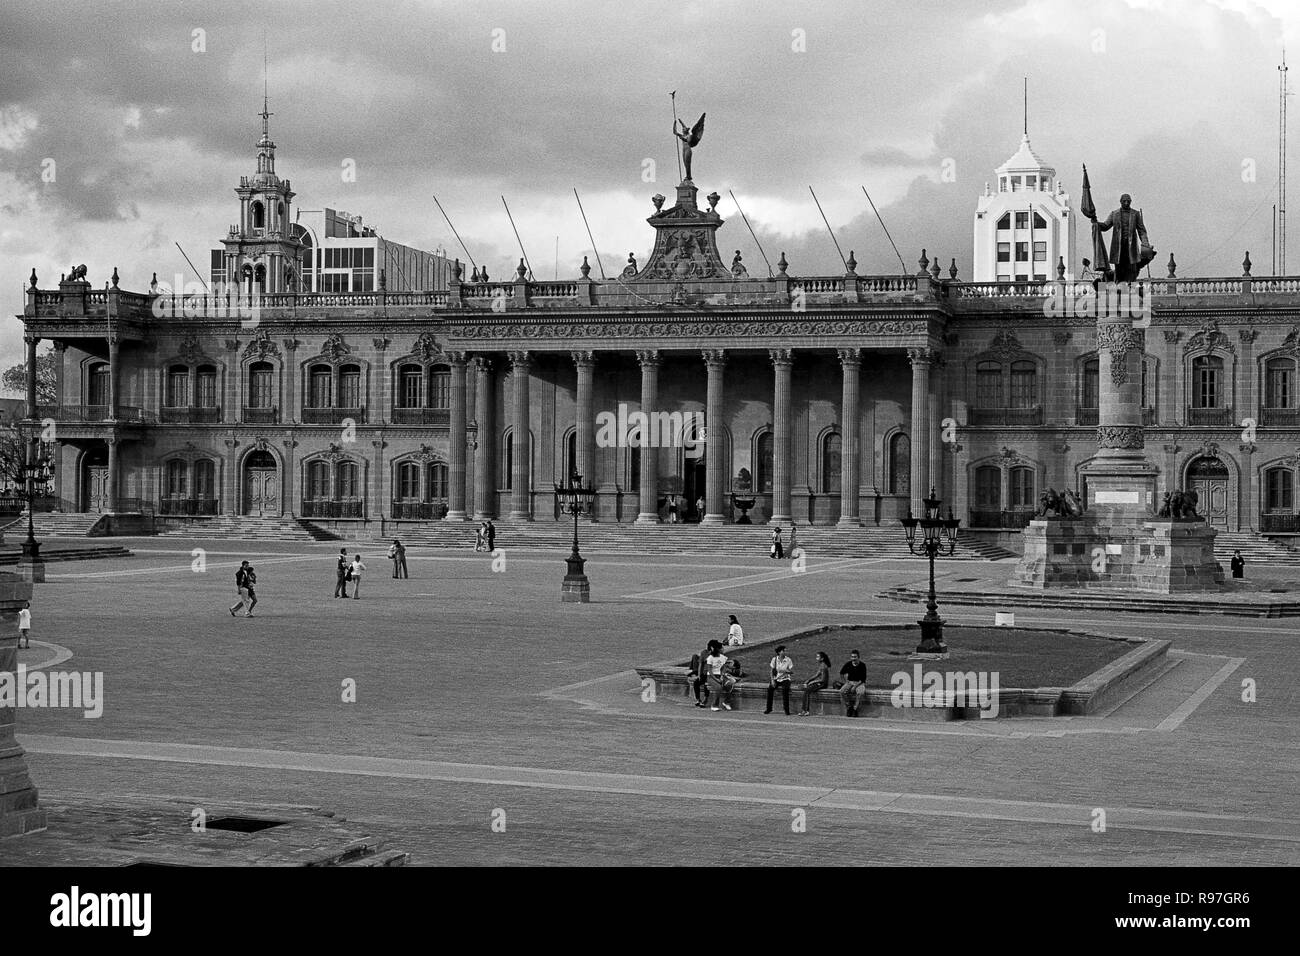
x: 1213, y: 503
x: 262, y: 492
x: 96, y: 488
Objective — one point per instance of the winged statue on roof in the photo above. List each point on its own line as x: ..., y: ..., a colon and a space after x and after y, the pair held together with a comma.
x: 690, y: 138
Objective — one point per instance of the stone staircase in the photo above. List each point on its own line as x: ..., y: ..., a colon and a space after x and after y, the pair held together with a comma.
x: 1258, y: 551
x: 753, y: 540
x: 243, y: 527
x: 52, y: 524
x: 52, y: 553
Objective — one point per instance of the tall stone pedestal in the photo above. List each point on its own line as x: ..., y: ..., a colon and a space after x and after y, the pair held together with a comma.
x: 19, y: 810
x: 1158, y: 555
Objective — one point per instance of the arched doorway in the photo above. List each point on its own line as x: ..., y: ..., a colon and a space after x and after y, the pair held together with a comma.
x: 1208, y: 477
x: 261, y: 485
x: 94, y: 481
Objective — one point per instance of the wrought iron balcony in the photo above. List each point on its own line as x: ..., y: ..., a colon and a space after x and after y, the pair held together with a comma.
x: 90, y: 414
x: 1012, y: 520
x: 1279, y: 523
x: 332, y: 416
x: 1280, y: 417
x: 1209, y: 416
x: 421, y: 416
x: 419, y: 510
x: 329, y: 508
x: 189, y: 506
x: 190, y: 415
x: 261, y: 416
x: 1007, y: 416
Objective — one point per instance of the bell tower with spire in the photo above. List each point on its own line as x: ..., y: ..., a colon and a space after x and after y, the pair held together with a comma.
x: 260, y: 253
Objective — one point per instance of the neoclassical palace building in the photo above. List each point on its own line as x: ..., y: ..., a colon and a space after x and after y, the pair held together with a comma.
x: 834, y: 399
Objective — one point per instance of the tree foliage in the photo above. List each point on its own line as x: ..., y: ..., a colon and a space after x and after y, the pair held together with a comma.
x: 14, y: 379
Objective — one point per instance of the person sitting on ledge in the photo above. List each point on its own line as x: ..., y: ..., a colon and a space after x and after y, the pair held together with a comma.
x: 821, y: 681
x: 735, y: 633
x: 854, y: 691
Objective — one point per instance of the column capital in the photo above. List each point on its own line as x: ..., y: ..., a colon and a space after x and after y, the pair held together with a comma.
x: 781, y: 356
x: 482, y: 364
x: 381, y: 343
x: 648, y: 357
x: 714, y: 358
x: 458, y: 358
x: 291, y: 344
x: 31, y: 340
x: 60, y: 346
x: 924, y: 356
x: 583, y: 358
x: 850, y: 356
x: 520, y: 360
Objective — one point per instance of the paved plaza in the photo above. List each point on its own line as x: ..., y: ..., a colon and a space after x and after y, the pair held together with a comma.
x: 479, y: 696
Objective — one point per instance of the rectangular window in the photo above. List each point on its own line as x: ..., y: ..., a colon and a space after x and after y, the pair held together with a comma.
x: 1040, y: 277
x: 1090, y: 385
x: 1015, y: 184
x: 988, y: 387
x: 988, y: 488
x: 350, y: 389
x: 1040, y: 252
x: 1022, y: 488
x: 411, y: 389
x: 440, y: 390
x: 178, y: 388
x: 319, y: 396
x: 1207, y: 388
x: 218, y: 267
x: 1279, y: 390
x: 206, y: 392
x: 1022, y: 220
x: 1022, y: 278
x: 410, y: 483
x: 1022, y: 252
x: 259, y: 388
x: 1024, y: 386
x: 1281, y: 490
x: 1004, y: 252
x: 1031, y: 182
x: 334, y: 282
x: 1004, y: 278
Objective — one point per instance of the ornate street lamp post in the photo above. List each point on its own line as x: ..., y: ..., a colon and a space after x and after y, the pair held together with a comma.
x: 939, y: 536
x: 37, y: 474
x: 575, y: 499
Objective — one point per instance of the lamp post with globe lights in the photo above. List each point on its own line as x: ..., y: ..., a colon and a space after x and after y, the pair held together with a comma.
x: 938, y: 537
x: 575, y: 499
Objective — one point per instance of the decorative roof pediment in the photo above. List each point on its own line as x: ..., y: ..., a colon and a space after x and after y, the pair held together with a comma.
x: 1208, y: 339
x: 261, y: 346
x: 334, y: 347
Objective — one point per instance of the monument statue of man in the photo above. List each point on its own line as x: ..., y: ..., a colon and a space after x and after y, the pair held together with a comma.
x: 689, y: 137
x: 1130, y: 249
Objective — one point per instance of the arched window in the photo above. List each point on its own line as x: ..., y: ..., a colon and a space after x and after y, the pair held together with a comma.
x: 988, y: 385
x: 178, y: 386
x: 261, y: 385
x: 258, y: 214
x: 1024, y: 385
x: 318, y: 479
x: 437, y: 481
x: 1279, y: 485
x: 440, y: 387
x: 988, y: 488
x: 408, y: 481
x: 178, y: 479
x: 348, y: 485
x: 409, y: 380
x: 1088, y: 397
x: 900, y: 465
x: 205, y: 387
x: 832, y: 445
x: 205, y: 479
x: 1022, y: 488
x: 1279, y: 383
x: 320, y: 378
x: 350, y: 386
x: 97, y: 385
x: 763, y: 465
x: 1207, y: 382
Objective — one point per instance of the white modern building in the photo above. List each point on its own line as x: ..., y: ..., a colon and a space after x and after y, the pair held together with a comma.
x: 1025, y: 227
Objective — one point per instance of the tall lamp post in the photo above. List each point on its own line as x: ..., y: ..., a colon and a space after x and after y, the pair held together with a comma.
x: 37, y: 473
x: 575, y: 499
x: 939, y: 536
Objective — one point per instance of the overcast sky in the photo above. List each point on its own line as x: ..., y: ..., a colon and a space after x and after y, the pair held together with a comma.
x: 1174, y: 101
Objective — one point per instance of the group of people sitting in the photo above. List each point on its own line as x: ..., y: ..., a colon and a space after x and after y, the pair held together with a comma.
x: 714, y: 676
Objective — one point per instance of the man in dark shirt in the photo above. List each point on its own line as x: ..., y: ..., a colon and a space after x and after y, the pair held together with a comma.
x: 1238, y: 565
x: 854, y: 691
x: 491, y: 536
x: 241, y: 585
x: 341, y: 586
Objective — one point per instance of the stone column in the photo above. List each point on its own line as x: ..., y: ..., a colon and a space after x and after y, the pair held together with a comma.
x: 290, y: 487
x: 20, y: 811
x: 32, y: 342
x: 520, y: 499
x: 112, y: 471
x: 1247, y: 508
x: 114, y: 365
x: 585, y: 418
x: 290, y: 402
x: 230, y: 490
x: 232, y: 400
x: 935, y: 448
x: 484, y: 473
x: 851, y: 371
x: 649, y: 513
x: 715, y: 361
x: 456, y: 464
x: 782, y: 362
x: 1120, y: 437
x: 920, y: 469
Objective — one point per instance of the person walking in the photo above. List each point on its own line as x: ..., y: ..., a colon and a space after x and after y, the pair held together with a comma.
x: 25, y: 624
x: 392, y: 556
x: 1238, y: 565
x: 356, y: 569
x: 820, y: 681
x: 241, y: 585
x: 720, y: 682
x: 735, y: 633
x: 782, y: 665
x: 491, y: 536
x: 699, y: 508
x: 251, y: 578
x: 794, y: 542
x: 401, y: 559
x: 777, y: 551
x: 672, y: 509
x: 480, y: 537
x: 341, y: 586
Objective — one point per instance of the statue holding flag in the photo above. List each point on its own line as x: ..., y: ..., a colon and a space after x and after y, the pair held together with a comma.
x: 1130, y: 249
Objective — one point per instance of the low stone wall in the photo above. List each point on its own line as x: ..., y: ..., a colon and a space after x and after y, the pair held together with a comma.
x: 1098, y: 691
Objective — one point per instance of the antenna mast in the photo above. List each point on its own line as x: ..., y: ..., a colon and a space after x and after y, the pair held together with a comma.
x: 1281, y: 163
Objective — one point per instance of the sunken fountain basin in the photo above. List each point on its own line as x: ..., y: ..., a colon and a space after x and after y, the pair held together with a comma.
x: 1041, y: 672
